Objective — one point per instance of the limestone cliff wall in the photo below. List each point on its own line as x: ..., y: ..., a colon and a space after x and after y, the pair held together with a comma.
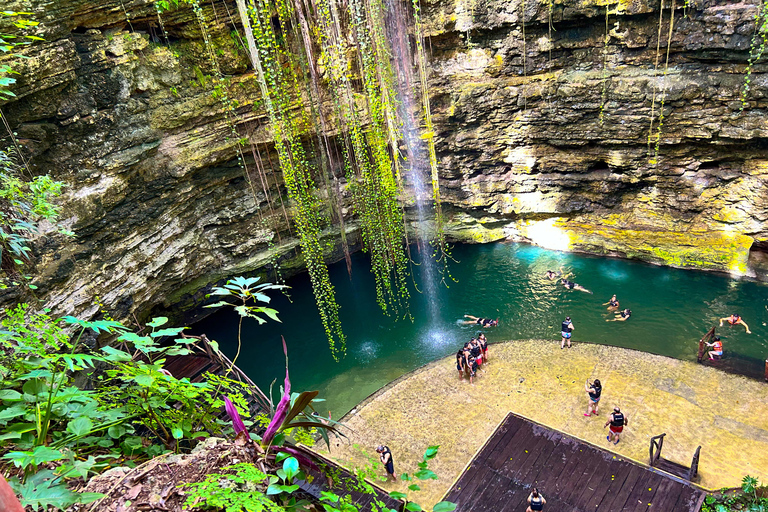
x: 161, y: 208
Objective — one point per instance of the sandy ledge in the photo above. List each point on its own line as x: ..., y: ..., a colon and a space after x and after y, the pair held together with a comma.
x: 695, y: 405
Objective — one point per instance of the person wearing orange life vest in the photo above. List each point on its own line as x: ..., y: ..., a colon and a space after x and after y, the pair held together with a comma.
x: 718, y: 348
x: 735, y: 320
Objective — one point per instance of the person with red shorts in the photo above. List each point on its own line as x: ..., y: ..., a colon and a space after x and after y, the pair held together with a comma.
x: 617, y: 421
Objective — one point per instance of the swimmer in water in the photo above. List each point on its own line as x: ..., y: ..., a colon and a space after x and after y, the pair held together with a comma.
x: 482, y: 322
x: 623, y: 316
x: 613, y: 303
x: 551, y: 274
x: 573, y: 286
x: 735, y: 320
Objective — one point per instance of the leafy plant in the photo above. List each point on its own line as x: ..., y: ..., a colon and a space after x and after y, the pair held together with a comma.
x: 751, y: 497
x: 242, y: 488
x: 24, y: 204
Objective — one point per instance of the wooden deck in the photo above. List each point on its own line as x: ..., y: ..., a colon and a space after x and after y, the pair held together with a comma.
x: 572, y: 475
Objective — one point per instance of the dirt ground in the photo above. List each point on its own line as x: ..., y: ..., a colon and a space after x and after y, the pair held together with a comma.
x: 693, y: 404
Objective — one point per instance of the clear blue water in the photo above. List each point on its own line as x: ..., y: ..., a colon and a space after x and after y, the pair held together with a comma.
x: 671, y: 310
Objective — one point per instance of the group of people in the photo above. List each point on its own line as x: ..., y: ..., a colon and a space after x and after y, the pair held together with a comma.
x: 471, y: 357
x: 620, y: 316
x: 617, y: 420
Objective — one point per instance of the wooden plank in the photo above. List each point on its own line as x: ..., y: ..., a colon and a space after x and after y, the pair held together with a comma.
x: 617, y: 503
x: 641, y: 495
x: 575, y: 479
x: 512, y: 447
x: 538, y: 457
x: 526, y: 453
x: 667, y: 495
x: 615, y: 478
x: 568, y: 451
x: 548, y: 456
x: 596, y: 486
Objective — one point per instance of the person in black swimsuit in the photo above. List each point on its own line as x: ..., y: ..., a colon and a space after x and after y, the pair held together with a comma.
x: 594, y: 389
x: 612, y: 304
x: 623, y: 316
x: 484, y: 345
x: 385, y: 456
x: 566, y: 330
x: 535, y: 501
x: 472, y: 367
x: 460, y: 363
x: 573, y: 286
x: 482, y: 322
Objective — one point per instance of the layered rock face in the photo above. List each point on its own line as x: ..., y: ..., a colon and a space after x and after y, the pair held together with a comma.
x: 543, y: 119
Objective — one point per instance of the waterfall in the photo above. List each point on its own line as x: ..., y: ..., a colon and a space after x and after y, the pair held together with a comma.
x: 418, y: 170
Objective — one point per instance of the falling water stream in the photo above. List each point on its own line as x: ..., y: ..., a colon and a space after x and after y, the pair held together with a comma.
x: 671, y: 310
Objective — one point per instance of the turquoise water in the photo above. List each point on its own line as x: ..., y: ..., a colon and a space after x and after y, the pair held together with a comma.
x: 671, y: 309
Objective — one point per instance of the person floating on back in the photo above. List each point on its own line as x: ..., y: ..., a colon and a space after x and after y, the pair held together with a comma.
x: 566, y: 330
x: 594, y: 389
x: 617, y: 421
x: 621, y: 316
x: 573, y: 286
x: 482, y: 322
x: 385, y: 456
x: 735, y: 320
x: 717, y: 348
x: 613, y: 303
x: 535, y: 501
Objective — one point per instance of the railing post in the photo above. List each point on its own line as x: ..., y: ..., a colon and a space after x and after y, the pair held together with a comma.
x: 766, y: 370
x: 701, y: 351
x: 8, y: 500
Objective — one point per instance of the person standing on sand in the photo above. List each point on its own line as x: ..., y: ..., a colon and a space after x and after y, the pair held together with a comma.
x: 566, y: 331
x: 385, y: 456
x: 594, y: 389
x: 617, y: 421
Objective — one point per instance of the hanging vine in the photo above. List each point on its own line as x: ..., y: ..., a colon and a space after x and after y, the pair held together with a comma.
x: 656, y: 138
x: 756, y: 49
x: 604, y: 93
x: 364, y: 91
x: 442, y: 251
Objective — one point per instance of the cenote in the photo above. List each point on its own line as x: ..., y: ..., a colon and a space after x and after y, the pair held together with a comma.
x: 671, y: 309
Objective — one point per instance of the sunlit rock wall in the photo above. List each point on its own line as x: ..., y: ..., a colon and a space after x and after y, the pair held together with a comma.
x: 161, y: 207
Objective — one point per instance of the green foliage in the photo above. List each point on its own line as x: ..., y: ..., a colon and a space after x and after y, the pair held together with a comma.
x: 752, y: 498
x: 10, y: 44
x: 24, y: 204
x: 757, y: 48
x: 44, y: 489
x: 135, y: 410
x: 242, y: 488
x: 245, y: 291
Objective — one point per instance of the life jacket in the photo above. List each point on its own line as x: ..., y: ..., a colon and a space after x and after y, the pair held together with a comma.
x: 596, y: 394
x: 617, y: 420
x: 566, y: 326
x: 734, y: 319
x: 718, y: 346
x: 537, y: 504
